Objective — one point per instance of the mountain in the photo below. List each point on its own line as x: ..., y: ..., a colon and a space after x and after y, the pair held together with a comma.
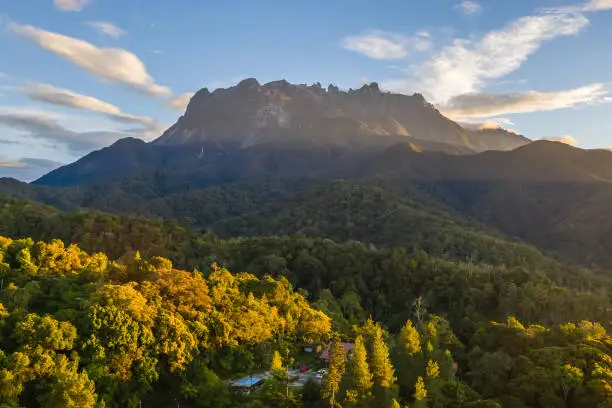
x: 253, y: 122
x: 249, y: 114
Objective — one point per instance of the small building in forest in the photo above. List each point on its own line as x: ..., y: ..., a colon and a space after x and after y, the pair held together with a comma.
x: 348, y: 351
x: 311, y: 347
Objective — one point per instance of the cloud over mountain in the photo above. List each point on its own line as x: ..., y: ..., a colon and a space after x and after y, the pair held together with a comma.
x: 466, y: 65
x: 111, y: 64
x: 46, y: 128
x: 64, y: 97
x: 568, y: 140
x: 27, y: 168
x: 179, y: 102
x: 486, y: 105
x: 383, y: 45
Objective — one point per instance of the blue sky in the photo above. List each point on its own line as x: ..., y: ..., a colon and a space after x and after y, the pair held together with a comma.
x: 75, y: 75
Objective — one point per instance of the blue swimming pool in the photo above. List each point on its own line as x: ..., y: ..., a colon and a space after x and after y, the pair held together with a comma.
x: 247, y: 382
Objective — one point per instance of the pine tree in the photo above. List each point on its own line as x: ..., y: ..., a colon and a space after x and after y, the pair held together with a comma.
x: 277, y: 362
x: 433, y: 369
x: 410, y: 339
x: 335, y: 371
x: 380, y: 363
x: 359, y: 376
x: 420, y: 392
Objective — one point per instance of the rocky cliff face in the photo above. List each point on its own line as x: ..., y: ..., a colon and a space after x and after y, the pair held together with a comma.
x: 250, y: 113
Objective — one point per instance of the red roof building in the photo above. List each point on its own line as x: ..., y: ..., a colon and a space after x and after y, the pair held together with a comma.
x: 348, y: 349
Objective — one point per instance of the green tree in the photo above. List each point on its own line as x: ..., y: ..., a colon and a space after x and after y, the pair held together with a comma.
x: 69, y: 388
x: 335, y: 371
x: 433, y: 369
x: 420, y: 393
x: 359, y: 378
x: 410, y: 339
x: 276, y: 364
x: 380, y: 362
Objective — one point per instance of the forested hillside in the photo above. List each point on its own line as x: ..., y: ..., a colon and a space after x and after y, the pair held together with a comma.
x: 84, y: 331
x: 378, y: 281
x: 550, y: 195
x: 79, y: 330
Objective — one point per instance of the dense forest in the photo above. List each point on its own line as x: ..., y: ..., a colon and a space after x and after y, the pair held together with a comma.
x: 122, y: 311
x: 550, y: 195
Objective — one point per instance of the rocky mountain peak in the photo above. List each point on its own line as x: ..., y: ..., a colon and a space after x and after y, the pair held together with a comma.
x: 248, y: 84
x: 250, y: 113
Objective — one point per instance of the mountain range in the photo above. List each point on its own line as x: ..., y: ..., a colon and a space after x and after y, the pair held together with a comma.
x: 362, y: 164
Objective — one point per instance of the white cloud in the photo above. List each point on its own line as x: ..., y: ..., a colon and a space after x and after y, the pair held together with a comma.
x: 568, y: 140
x: 11, y: 163
x: 488, y: 124
x: 71, y: 5
x: 487, y: 105
x: 597, y: 5
x: 43, y: 127
x: 112, y: 64
x: 29, y: 161
x: 106, y: 28
x: 466, y: 65
x: 157, y: 52
x: 179, y: 102
x: 26, y: 168
x: 385, y: 46
x: 469, y: 7
x: 64, y: 97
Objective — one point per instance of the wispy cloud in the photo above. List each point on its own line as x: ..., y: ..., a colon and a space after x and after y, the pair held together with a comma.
x: 29, y: 161
x: 64, y: 97
x: 11, y: 163
x: 465, y: 66
x: 38, y: 162
x: 58, y: 96
x: 71, y: 5
x: 568, y: 140
x: 106, y: 28
x: 488, y: 124
x: 26, y: 168
x: 46, y: 128
x: 469, y: 7
x: 597, y: 5
x: 111, y: 64
x: 487, y: 105
x: 383, y: 45
x: 179, y: 102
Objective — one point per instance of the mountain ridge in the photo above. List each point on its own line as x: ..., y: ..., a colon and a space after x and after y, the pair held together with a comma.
x: 250, y: 113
